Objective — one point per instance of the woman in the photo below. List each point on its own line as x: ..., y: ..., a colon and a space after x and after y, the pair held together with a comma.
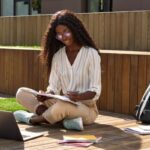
x: 74, y: 61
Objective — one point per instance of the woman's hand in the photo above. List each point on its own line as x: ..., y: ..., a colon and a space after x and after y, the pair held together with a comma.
x: 41, y: 98
x: 76, y: 96
x: 73, y: 95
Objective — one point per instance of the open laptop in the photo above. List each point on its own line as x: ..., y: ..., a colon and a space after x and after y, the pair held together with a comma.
x: 9, y: 128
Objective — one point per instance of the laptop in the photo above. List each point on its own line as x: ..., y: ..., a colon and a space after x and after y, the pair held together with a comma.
x: 9, y: 128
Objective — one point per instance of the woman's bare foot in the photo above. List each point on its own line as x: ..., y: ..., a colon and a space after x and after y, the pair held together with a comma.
x: 35, y: 120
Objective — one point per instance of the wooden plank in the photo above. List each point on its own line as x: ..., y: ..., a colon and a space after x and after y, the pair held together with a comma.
x: 15, y: 31
x: 2, y: 68
x: 91, y: 25
x: 96, y: 29
x: 132, y: 30
x: 147, y: 71
x: 101, y: 31
x: 125, y: 30
x: 35, y: 70
x: 144, y: 36
x: 125, y: 84
x: 133, y: 83
x: 111, y: 82
x: 118, y: 84
x: 85, y: 20
x: 148, y: 32
x: 104, y: 69
x: 138, y: 30
x: 118, y: 34
x: 30, y: 68
x: 107, y: 31
x: 142, y: 82
x: 39, y: 35
x: 10, y: 73
x: 19, y: 31
x: 113, y: 30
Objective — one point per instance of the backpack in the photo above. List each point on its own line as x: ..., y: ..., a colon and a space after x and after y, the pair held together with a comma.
x: 142, y: 113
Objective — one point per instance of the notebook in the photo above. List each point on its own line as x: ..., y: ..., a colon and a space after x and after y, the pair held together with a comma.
x: 137, y: 130
x: 9, y: 128
x: 79, y: 138
x: 58, y: 97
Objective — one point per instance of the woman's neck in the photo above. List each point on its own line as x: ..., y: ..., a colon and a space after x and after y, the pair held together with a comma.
x: 73, y: 48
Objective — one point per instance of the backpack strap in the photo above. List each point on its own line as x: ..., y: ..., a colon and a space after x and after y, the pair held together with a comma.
x: 143, y: 103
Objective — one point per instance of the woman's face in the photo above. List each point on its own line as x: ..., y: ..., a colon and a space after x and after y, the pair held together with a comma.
x: 64, y: 35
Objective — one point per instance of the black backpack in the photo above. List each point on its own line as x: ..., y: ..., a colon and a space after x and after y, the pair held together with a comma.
x: 142, y: 113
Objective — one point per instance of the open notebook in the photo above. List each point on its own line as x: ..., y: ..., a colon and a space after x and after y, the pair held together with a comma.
x: 9, y: 128
x: 58, y: 97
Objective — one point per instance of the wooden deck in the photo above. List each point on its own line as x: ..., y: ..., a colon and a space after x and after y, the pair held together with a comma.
x: 108, y: 125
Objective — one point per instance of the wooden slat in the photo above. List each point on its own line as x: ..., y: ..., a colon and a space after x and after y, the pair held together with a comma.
x: 144, y: 36
x: 113, y: 30
x: 104, y: 82
x: 118, y: 84
x: 107, y: 31
x: 96, y: 29
x: 138, y: 30
x: 133, y: 83
x: 132, y: 30
x: 141, y: 77
x: 101, y: 31
x: 111, y: 82
x: 125, y: 30
x: 125, y: 84
x: 118, y: 34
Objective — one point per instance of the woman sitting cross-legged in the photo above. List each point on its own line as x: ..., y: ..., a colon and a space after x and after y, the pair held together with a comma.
x: 73, y: 62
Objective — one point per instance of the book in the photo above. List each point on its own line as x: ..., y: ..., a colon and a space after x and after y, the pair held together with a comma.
x: 137, y: 130
x: 145, y: 127
x: 59, y: 97
x: 79, y: 138
x: 78, y: 144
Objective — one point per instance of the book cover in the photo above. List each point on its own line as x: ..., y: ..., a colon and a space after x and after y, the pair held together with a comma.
x: 79, y: 138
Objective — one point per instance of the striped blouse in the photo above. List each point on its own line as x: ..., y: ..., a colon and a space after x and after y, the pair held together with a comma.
x: 83, y: 75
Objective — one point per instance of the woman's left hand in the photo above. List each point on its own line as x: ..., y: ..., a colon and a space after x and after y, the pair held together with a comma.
x: 74, y: 95
x: 77, y: 96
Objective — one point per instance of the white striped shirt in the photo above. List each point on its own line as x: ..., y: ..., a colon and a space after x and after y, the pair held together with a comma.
x: 83, y: 75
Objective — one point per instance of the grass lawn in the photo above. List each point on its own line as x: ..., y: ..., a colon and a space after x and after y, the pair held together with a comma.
x: 10, y: 104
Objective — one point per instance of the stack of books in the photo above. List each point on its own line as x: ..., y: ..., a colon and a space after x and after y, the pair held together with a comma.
x: 141, y: 129
x: 80, y: 140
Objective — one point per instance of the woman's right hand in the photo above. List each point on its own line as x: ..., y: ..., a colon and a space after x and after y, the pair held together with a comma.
x: 42, y: 98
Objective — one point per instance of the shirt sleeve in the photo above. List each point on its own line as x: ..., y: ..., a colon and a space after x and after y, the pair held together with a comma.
x: 95, y: 74
x: 54, y: 80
